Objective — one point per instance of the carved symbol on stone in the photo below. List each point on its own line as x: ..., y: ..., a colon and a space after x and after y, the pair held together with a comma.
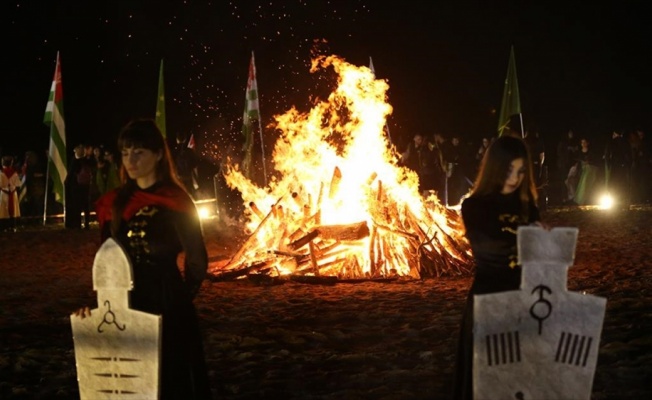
x: 573, y: 349
x: 503, y: 348
x: 109, y: 318
x: 542, y: 308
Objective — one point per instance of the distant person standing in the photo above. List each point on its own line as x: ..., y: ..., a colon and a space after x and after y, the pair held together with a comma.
x: 588, y: 174
x: 78, y: 182
x: 10, y: 184
x: 537, y: 151
x: 441, y: 150
x: 641, y: 167
x: 458, y: 180
x: 186, y: 163
x: 421, y: 159
x: 618, y: 162
x: 107, y: 175
x: 33, y: 174
x: 567, y: 149
x: 484, y: 145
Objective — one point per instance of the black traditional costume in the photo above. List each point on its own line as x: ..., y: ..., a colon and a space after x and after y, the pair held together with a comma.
x: 157, y: 224
x: 490, y: 222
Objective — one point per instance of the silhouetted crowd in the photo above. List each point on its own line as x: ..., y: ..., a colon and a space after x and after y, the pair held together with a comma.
x: 446, y: 165
x: 91, y: 172
x: 579, y: 173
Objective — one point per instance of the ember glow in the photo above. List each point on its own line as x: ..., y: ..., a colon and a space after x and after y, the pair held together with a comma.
x: 338, y: 203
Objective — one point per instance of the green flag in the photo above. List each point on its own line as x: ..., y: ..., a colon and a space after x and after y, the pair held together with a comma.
x: 160, y: 104
x: 251, y: 113
x: 511, y: 105
x: 57, y: 164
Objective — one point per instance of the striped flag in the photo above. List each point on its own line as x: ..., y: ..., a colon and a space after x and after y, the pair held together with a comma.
x: 54, y: 119
x: 251, y: 113
x: 160, y: 104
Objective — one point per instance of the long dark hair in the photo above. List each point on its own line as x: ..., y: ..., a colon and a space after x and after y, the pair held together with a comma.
x: 144, y: 134
x: 495, y: 167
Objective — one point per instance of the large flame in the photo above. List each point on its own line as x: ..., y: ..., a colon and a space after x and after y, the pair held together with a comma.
x: 335, y: 168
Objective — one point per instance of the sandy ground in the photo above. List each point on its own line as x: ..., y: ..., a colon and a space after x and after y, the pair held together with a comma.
x: 293, y: 340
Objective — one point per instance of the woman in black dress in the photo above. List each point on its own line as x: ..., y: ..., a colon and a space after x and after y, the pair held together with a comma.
x: 154, y: 220
x: 503, y: 197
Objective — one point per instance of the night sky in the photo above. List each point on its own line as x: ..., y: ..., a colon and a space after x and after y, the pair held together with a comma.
x: 581, y: 68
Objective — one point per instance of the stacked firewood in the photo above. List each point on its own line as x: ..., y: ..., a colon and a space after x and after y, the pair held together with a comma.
x: 394, y: 239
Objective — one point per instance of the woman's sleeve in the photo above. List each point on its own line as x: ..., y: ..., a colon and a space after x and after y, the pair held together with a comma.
x: 474, y: 215
x: 534, y: 212
x: 196, y: 257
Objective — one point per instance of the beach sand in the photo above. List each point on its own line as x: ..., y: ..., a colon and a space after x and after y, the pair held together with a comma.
x: 290, y: 340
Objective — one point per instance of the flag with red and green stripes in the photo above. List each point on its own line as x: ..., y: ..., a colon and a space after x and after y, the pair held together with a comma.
x: 57, y: 165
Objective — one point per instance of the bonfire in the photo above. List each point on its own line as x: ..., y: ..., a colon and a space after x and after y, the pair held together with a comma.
x: 339, y: 204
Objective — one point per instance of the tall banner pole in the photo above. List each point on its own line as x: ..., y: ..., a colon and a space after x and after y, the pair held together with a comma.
x: 45, y: 201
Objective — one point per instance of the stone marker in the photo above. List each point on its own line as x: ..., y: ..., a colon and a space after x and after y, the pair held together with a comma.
x: 539, y: 342
x: 117, y: 349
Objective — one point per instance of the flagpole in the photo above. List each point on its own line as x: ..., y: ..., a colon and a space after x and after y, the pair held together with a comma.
x: 57, y: 149
x: 260, y: 126
x: 373, y: 71
x: 47, y: 183
x: 160, y: 103
x: 262, y: 147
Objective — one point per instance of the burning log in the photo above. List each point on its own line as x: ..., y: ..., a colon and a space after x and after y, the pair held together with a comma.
x: 347, y: 232
x: 313, y: 258
x: 354, y: 231
x: 257, y: 211
x: 296, y: 234
x: 235, y: 260
x: 319, y: 202
x: 278, y: 212
x: 397, y: 237
x: 335, y: 183
x: 236, y: 273
x: 299, y: 243
x: 326, y: 249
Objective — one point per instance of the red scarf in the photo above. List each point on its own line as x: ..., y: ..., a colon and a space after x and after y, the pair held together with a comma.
x: 9, y: 172
x: 166, y: 196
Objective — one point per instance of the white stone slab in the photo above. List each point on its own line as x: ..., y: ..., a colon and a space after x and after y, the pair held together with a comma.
x: 539, y: 342
x: 117, y: 349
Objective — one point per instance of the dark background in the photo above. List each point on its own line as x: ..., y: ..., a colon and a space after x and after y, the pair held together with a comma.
x: 580, y: 67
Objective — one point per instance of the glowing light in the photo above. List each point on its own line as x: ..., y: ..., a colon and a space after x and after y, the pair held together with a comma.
x: 206, y: 209
x: 203, y: 212
x: 606, y: 201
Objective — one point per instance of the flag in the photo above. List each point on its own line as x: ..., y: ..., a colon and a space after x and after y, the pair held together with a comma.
x: 511, y: 100
x: 251, y: 113
x: 57, y: 164
x: 191, y: 141
x: 160, y: 104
